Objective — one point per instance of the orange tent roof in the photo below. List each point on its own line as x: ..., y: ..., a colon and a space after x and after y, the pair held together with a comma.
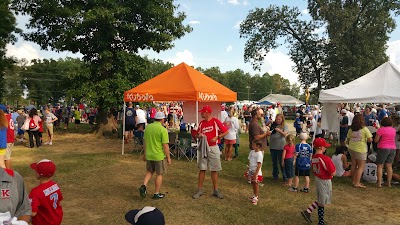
x: 180, y: 83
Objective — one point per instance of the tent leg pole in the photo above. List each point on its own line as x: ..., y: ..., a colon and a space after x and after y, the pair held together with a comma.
x: 197, y: 113
x: 123, y: 129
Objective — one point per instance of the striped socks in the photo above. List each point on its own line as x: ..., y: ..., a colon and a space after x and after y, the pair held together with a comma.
x: 313, y: 206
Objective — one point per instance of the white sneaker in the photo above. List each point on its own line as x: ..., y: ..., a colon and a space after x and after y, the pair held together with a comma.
x: 46, y: 143
x: 254, y: 200
x: 50, y: 143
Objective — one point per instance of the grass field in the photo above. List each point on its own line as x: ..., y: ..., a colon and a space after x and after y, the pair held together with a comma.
x: 100, y: 185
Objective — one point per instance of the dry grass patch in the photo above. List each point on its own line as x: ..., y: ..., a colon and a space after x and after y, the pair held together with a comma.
x: 100, y: 186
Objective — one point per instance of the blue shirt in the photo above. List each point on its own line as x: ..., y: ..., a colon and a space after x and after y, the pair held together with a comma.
x: 368, y: 118
x: 3, y: 138
x: 296, y: 123
x: 304, y: 153
x: 14, y: 116
x: 130, y: 115
x: 382, y: 114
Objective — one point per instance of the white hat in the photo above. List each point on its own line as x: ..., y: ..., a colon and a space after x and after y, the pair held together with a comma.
x: 137, y: 106
x: 372, y: 157
x: 159, y: 116
x: 343, y: 111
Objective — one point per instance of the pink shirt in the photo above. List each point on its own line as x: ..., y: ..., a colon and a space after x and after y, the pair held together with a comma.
x: 289, y: 151
x: 388, y: 136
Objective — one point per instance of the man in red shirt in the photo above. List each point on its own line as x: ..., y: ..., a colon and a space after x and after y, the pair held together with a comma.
x: 324, y: 170
x: 212, y: 130
x: 10, y: 141
x: 45, y: 199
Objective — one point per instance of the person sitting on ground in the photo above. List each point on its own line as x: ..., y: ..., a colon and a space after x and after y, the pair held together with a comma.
x: 370, y: 170
x: 303, y: 154
x: 45, y: 199
x: 340, y: 160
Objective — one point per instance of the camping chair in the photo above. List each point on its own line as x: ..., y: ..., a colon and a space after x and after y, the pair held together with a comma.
x: 172, y: 142
x: 138, y: 145
x: 185, y: 148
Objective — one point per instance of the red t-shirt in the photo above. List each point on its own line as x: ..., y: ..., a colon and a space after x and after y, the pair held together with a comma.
x: 211, y: 129
x: 322, y: 166
x: 45, y: 201
x: 10, y: 130
x: 289, y: 151
x: 153, y: 112
x: 41, y: 126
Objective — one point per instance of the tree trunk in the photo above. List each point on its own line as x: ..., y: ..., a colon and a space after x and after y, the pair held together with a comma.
x: 106, y: 124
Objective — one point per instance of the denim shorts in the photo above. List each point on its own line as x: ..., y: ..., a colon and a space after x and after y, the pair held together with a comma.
x: 289, y: 167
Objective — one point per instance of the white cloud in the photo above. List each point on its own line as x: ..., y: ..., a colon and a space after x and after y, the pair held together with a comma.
x: 229, y: 48
x: 194, y: 22
x: 221, y: 2
x: 245, y: 2
x: 234, y: 2
x: 280, y: 63
x: 393, y: 51
x: 186, y: 56
x: 305, y: 12
x: 23, y: 50
x: 237, y: 25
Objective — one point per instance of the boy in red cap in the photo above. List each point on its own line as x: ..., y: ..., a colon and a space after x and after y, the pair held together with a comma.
x: 45, y: 199
x: 324, y: 170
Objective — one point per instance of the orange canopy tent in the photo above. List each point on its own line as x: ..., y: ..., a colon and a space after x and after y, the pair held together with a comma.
x: 180, y: 83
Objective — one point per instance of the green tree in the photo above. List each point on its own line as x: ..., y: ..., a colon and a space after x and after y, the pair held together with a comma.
x: 13, y: 88
x: 108, y: 34
x: 358, y: 32
x: 7, y: 30
x: 264, y: 27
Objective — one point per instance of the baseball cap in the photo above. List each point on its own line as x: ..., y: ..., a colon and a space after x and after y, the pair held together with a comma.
x: 320, y: 142
x: 146, y: 216
x: 372, y: 157
x: 3, y: 107
x: 159, y: 116
x: 343, y: 111
x: 137, y: 106
x: 206, y: 109
x: 45, y: 168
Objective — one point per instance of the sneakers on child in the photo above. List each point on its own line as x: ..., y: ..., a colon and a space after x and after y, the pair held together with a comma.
x: 292, y: 189
x: 46, y: 143
x: 306, y: 216
x: 158, y: 196
x: 50, y: 143
x: 218, y: 194
x: 142, y: 191
x: 305, y: 190
x: 254, y: 200
x: 198, y: 194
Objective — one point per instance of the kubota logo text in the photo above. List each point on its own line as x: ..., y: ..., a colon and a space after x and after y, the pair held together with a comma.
x: 139, y: 97
x: 207, y: 96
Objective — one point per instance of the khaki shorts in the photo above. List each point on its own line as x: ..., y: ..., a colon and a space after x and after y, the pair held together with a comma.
x: 358, y: 155
x: 7, y: 156
x: 212, y: 162
x: 156, y: 166
x: 49, y: 127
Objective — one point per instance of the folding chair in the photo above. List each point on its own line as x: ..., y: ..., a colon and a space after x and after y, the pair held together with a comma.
x: 172, y: 142
x: 138, y: 145
x: 185, y: 148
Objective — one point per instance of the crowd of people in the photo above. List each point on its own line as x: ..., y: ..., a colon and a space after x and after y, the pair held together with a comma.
x: 42, y: 205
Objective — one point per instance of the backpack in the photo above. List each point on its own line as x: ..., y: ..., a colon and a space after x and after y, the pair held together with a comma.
x: 32, y: 125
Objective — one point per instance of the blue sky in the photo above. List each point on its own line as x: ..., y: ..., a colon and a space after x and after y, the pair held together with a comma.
x: 214, y: 40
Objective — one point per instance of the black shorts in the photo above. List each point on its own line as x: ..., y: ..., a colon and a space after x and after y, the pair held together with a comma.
x: 129, y: 127
x: 141, y: 125
x: 77, y: 121
x: 301, y: 173
x: 66, y: 120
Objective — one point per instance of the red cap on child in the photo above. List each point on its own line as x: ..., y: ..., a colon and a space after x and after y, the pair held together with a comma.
x: 44, y: 168
x: 320, y: 142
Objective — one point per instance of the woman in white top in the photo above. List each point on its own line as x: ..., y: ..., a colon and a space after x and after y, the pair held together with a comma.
x: 232, y: 123
x: 339, y: 159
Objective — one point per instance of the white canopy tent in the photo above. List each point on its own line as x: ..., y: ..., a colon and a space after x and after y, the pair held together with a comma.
x: 381, y: 85
x: 283, y: 99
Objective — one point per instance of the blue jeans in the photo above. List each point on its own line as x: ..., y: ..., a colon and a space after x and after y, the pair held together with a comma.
x: 276, y: 156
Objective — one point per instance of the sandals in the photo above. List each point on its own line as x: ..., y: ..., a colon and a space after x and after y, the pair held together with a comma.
x: 359, y: 186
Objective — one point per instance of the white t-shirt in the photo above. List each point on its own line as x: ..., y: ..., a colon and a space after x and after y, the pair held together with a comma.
x: 141, y: 115
x: 370, y: 173
x: 224, y: 115
x: 232, y: 123
x: 254, y: 159
x: 350, y: 115
x: 272, y: 112
x: 337, y: 161
x: 49, y: 117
